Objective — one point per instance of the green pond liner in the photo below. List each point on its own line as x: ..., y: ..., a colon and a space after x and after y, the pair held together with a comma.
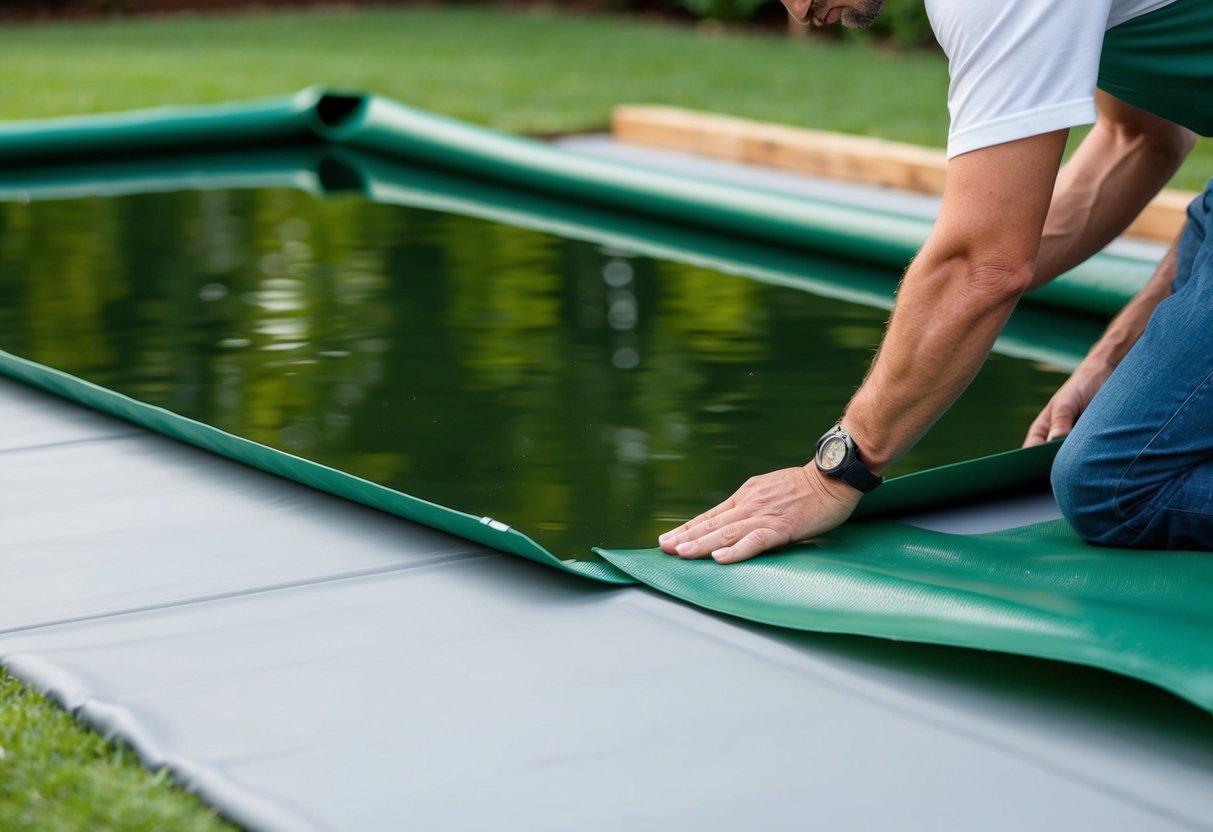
x: 272, y: 122
x: 998, y: 474
x: 1100, y: 286
x: 1036, y: 590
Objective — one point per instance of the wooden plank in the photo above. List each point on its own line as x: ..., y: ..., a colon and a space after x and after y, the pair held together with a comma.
x: 828, y: 155
x: 1163, y: 218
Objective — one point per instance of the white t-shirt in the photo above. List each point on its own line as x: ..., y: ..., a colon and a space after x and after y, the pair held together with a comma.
x: 1020, y: 68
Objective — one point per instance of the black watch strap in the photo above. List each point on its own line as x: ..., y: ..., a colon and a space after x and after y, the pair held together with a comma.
x: 859, y: 477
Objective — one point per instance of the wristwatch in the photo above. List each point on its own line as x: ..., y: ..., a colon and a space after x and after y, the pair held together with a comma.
x: 838, y: 457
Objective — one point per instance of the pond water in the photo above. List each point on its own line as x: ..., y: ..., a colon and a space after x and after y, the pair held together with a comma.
x: 582, y: 394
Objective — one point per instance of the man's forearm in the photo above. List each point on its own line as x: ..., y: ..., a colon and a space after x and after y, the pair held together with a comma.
x: 1064, y: 408
x: 955, y: 298
x: 1124, y: 330
x: 950, y: 309
x: 1127, y: 158
x: 957, y: 293
x: 942, y: 330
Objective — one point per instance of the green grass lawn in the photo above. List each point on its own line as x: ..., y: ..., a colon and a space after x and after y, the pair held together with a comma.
x: 533, y: 73
x: 56, y: 775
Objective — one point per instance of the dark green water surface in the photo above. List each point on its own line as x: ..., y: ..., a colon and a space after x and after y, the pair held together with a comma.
x: 581, y: 394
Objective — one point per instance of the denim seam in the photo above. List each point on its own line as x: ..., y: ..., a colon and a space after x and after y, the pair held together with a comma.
x: 1166, y: 494
x: 1186, y: 511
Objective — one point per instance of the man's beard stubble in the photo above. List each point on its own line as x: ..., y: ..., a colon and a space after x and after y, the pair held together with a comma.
x: 860, y: 17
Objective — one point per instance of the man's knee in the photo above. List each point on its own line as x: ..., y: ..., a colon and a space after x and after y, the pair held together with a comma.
x: 1086, y: 493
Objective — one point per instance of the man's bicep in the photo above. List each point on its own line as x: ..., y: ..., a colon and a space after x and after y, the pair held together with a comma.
x: 1018, y: 69
x: 1122, y: 117
x: 1119, y: 167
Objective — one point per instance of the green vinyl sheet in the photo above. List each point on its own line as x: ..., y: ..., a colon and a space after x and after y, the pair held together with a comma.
x: 279, y: 121
x: 996, y: 475
x: 1099, y: 286
x: 1036, y: 590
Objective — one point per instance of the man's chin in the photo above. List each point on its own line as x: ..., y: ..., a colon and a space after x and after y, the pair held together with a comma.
x: 861, y: 18
x: 856, y: 23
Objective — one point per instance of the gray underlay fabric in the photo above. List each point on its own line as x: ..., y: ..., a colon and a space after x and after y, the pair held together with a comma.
x: 307, y: 663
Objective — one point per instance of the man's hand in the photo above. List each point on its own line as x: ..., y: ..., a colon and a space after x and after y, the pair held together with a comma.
x: 767, y: 512
x: 1071, y: 399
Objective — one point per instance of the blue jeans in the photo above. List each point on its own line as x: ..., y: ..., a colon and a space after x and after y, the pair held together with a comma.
x: 1137, y: 470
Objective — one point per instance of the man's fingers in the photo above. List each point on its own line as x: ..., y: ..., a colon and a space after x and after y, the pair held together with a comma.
x: 765, y: 513
x: 1057, y: 419
x: 691, y: 528
x: 708, y: 521
x: 756, y: 542
x: 1064, y: 418
x: 719, y: 530
x: 1038, y: 431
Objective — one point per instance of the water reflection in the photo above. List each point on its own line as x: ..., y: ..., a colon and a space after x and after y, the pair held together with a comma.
x: 580, y: 393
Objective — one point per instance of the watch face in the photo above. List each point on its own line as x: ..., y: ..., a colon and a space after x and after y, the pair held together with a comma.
x: 833, y: 452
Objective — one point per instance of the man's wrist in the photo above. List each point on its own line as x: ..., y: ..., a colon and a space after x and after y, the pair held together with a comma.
x: 877, y: 456
x: 838, y: 457
x: 834, y: 489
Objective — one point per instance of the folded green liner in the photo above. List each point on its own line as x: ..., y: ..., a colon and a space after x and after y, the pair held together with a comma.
x: 1036, y: 590
x: 1099, y: 286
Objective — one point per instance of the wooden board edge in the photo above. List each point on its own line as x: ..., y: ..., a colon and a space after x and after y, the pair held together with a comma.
x: 838, y: 156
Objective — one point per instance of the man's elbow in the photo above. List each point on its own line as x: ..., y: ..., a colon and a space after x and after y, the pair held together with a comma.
x: 997, y: 282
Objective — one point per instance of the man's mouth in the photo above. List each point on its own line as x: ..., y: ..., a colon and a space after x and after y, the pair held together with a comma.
x: 831, y: 16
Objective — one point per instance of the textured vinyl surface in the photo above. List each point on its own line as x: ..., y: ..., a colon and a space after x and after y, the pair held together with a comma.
x: 1037, y: 590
